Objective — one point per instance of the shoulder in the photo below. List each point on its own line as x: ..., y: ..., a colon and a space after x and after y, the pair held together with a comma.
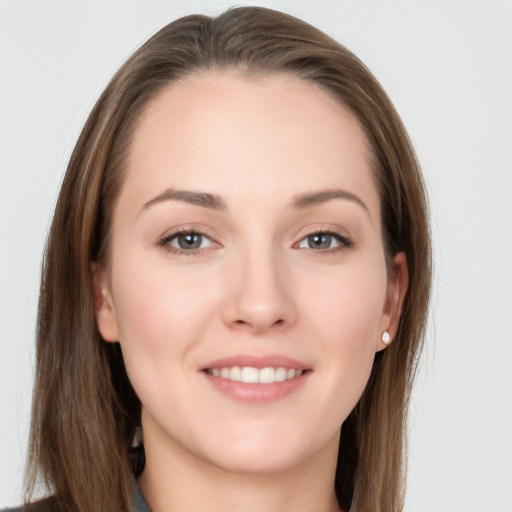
x: 46, y: 505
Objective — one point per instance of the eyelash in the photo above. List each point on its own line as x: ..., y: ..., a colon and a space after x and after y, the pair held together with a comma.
x: 164, y: 242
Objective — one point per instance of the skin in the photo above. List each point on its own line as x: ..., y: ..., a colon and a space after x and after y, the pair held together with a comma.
x: 256, y: 286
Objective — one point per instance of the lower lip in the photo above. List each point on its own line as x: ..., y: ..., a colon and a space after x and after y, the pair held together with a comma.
x: 257, y: 393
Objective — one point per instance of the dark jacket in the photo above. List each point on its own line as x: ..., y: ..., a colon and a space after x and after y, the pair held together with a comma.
x: 50, y: 505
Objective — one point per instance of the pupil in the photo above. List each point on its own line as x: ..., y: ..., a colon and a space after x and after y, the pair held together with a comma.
x: 189, y: 241
x: 320, y: 241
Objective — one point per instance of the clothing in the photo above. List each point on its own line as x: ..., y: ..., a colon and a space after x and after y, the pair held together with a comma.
x: 48, y: 504
x: 139, y: 503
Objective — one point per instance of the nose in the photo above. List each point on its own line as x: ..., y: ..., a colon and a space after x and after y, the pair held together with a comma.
x: 260, y: 294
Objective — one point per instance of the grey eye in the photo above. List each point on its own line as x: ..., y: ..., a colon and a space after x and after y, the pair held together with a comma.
x: 189, y: 241
x: 320, y: 241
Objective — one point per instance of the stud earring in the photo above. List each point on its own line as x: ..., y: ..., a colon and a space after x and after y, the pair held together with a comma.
x: 386, y: 338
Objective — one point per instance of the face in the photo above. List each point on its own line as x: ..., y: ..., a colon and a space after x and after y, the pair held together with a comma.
x: 247, y: 284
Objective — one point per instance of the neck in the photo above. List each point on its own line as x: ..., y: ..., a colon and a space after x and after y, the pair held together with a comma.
x: 179, y: 481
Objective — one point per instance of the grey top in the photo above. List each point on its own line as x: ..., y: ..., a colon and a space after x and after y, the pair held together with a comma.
x: 139, y: 503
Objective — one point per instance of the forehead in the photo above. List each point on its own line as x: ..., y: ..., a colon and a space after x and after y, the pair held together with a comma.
x: 225, y: 131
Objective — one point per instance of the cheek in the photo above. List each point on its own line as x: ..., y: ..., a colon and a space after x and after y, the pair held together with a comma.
x: 158, y: 312
x: 346, y: 318
x: 349, y: 306
x: 161, y: 324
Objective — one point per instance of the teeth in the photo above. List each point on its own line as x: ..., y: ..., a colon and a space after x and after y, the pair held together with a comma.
x: 280, y: 374
x: 267, y: 375
x: 235, y: 373
x: 251, y: 375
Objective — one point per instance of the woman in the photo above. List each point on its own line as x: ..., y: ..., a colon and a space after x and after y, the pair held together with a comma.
x: 236, y: 281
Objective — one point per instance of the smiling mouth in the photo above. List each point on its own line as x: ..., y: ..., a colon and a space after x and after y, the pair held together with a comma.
x: 251, y: 375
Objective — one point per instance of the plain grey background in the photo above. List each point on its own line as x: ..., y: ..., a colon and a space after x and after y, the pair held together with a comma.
x: 447, y: 65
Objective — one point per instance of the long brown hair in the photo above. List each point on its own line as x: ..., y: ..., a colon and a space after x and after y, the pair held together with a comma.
x: 85, y: 411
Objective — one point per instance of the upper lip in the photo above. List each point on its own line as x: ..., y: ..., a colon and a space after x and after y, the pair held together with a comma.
x: 256, y: 361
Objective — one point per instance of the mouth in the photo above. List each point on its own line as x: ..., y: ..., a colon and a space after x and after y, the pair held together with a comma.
x: 253, y: 375
x: 257, y: 378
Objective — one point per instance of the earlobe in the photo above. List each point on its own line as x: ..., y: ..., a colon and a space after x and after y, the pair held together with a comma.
x: 103, y: 305
x: 395, y: 295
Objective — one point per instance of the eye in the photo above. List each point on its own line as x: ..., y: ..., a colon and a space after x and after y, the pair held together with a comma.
x: 324, y: 241
x: 186, y: 242
x: 189, y: 241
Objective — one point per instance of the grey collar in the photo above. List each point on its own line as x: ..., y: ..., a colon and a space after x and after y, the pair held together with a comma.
x: 139, y: 503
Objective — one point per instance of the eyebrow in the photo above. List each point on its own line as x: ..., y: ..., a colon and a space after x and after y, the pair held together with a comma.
x: 215, y: 202
x: 312, y: 199
x: 203, y: 199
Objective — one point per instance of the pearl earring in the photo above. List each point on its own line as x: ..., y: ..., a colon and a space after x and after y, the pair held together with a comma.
x: 386, y: 338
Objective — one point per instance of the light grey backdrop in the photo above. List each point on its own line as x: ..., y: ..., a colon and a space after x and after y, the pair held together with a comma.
x: 447, y: 65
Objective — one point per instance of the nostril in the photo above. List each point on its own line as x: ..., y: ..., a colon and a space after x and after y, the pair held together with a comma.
x: 242, y: 323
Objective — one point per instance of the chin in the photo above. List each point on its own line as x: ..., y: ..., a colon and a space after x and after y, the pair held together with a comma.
x: 269, y: 454
x: 249, y: 463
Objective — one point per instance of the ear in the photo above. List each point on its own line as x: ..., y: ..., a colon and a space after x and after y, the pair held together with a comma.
x: 395, y: 294
x: 103, y: 305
